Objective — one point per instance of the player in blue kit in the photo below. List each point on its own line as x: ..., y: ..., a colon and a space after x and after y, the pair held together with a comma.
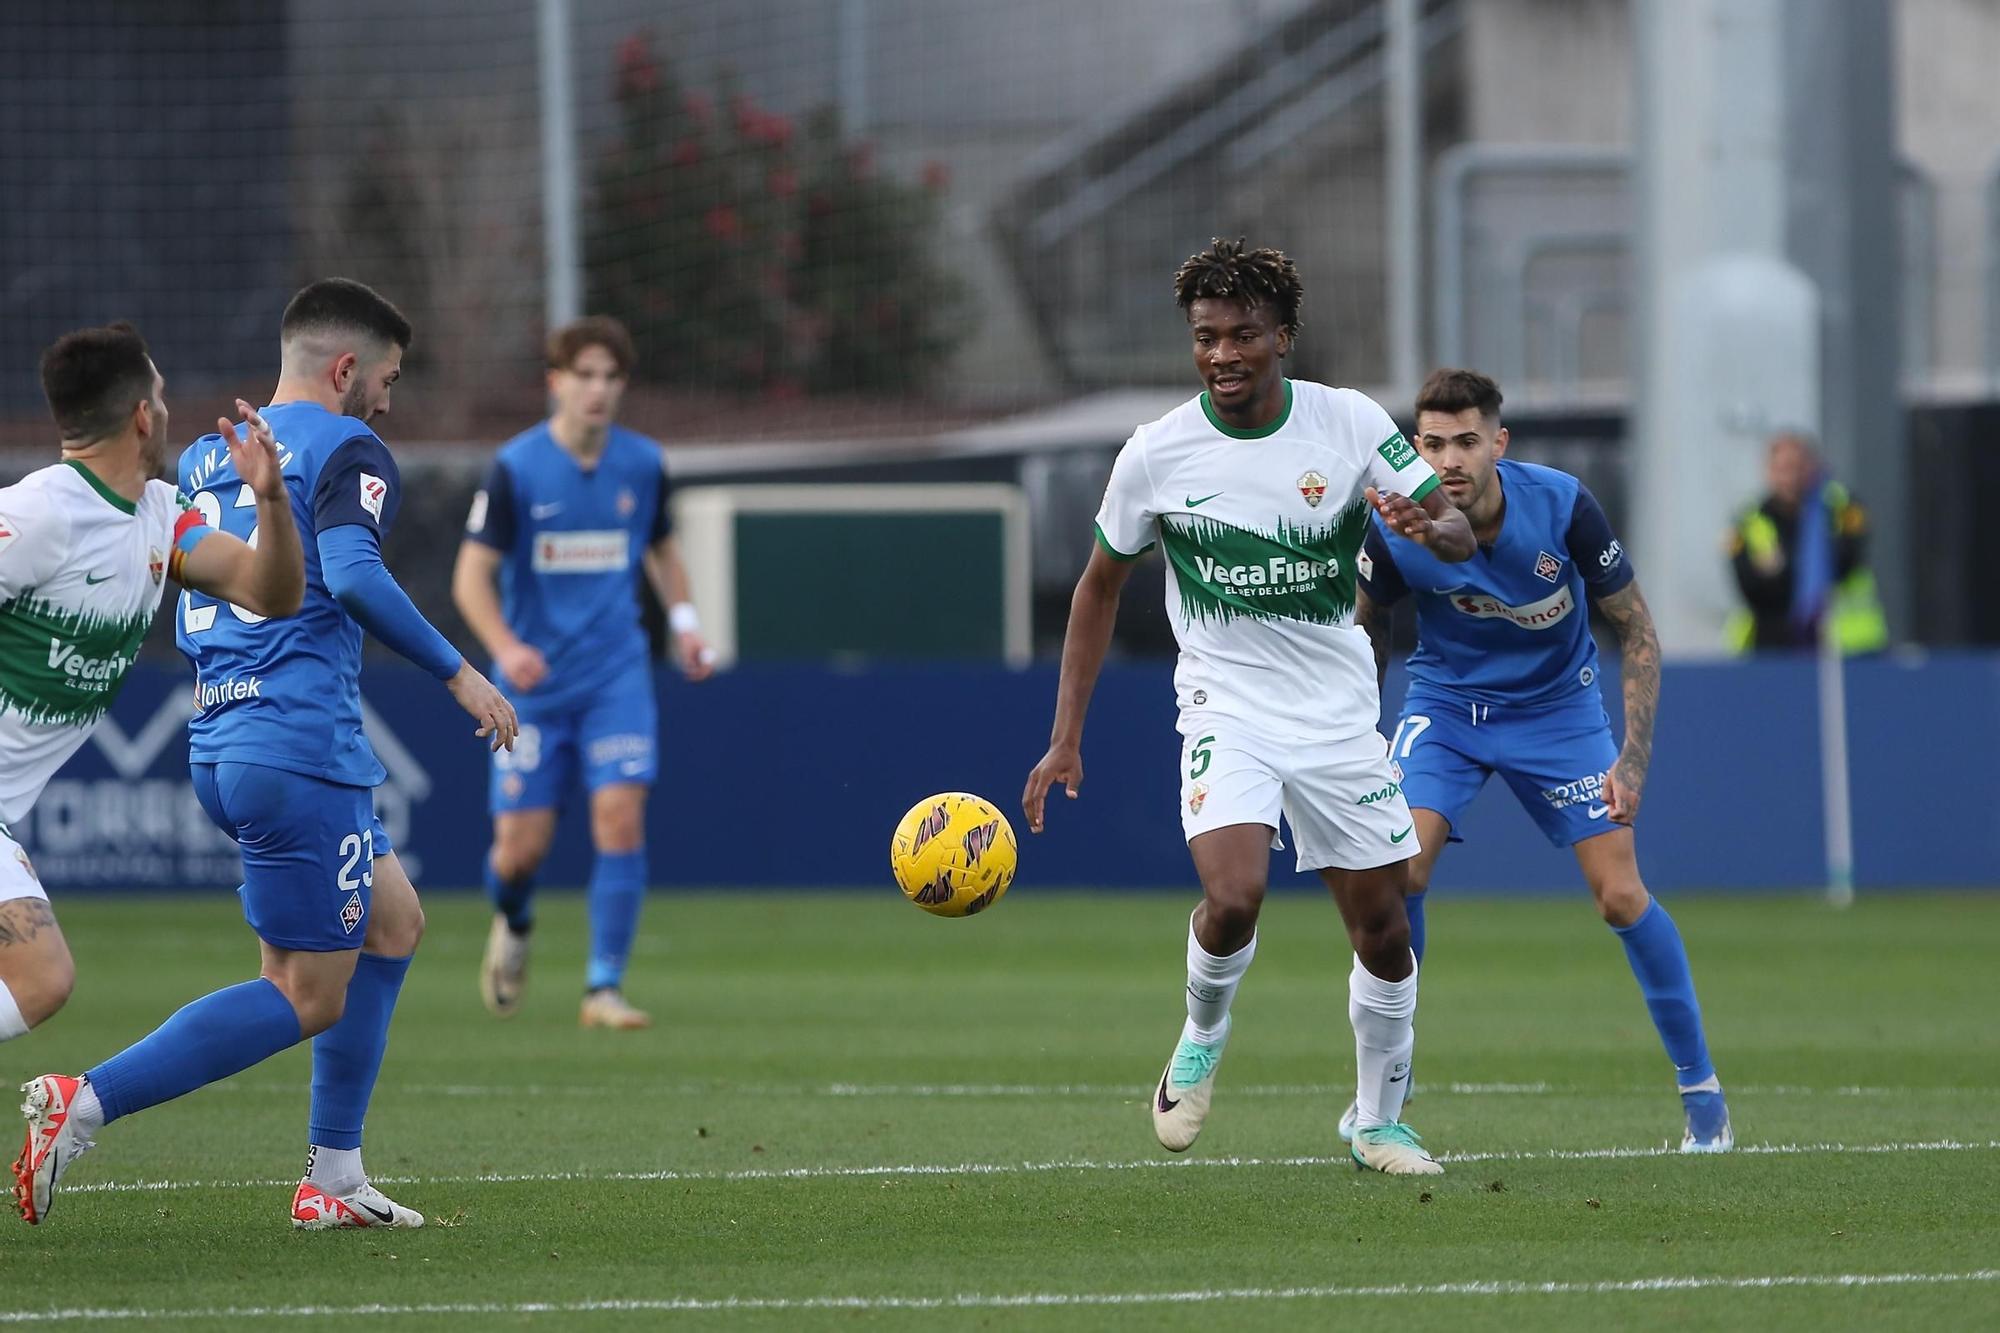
x: 571, y: 512
x: 1504, y: 681
x: 280, y: 763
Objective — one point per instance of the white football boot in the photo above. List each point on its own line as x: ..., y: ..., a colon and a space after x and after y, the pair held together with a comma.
x: 1180, y: 1104
x: 54, y: 1141
x: 1394, y: 1150
x: 503, y: 973
x: 313, y: 1209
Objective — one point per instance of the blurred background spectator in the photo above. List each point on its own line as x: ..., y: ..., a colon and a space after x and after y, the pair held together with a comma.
x: 1801, y: 560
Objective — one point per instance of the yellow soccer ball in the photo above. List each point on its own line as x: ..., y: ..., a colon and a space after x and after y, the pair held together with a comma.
x: 954, y: 854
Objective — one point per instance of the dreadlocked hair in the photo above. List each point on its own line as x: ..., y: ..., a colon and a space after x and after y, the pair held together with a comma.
x: 1225, y: 270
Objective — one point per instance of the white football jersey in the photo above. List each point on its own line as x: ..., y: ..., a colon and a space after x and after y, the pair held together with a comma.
x: 1260, y: 531
x: 81, y: 573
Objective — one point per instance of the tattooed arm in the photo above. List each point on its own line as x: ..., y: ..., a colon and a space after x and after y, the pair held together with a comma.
x: 1639, y: 654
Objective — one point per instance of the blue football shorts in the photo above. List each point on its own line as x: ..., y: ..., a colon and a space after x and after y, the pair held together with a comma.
x: 1553, y: 759
x: 309, y: 849
x: 610, y: 735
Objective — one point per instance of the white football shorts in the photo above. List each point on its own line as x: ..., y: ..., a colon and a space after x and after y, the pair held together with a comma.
x: 1341, y: 798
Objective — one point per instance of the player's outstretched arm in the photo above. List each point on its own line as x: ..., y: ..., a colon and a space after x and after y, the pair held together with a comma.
x: 1433, y: 521
x: 268, y: 579
x: 350, y: 558
x: 1639, y: 656
x: 478, y: 602
x: 1093, y: 610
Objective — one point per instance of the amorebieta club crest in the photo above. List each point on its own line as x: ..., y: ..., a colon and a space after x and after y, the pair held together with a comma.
x: 1547, y: 566
x: 1313, y: 487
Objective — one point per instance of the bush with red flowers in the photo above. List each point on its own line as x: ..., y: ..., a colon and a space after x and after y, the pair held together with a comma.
x: 748, y: 252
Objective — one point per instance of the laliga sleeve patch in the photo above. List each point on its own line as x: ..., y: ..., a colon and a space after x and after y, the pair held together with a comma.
x: 374, y: 491
x: 7, y: 532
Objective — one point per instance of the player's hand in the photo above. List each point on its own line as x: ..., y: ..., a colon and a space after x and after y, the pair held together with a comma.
x: 489, y: 707
x: 1064, y: 764
x: 696, y: 658
x: 1405, y: 516
x: 1624, y: 785
x: 256, y: 458
x: 523, y: 665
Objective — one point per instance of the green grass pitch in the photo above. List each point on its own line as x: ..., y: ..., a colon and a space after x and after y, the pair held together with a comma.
x: 853, y: 1115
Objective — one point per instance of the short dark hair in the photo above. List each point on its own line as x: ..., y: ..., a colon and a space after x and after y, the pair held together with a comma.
x: 1226, y: 271
x: 1452, y: 390
x: 345, y: 306
x: 568, y: 343
x: 93, y: 378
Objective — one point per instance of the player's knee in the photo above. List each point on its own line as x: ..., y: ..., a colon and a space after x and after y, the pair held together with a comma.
x: 618, y: 830
x: 1620, y: 901
x: 319, y: 1010
x: 396, y: 935
x: 40, y: 996
x: 1231, y: 909
x: 317, y: 1001
x: 1379, y: 931
x: 516, y: 858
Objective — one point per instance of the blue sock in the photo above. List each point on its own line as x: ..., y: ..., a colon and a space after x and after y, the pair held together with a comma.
x: 348, y: 1055
x: 1660, y: 962
x: 206, y: 1041
x: 512, y: 898
x: 617, y: 890
x: 1413, y: 904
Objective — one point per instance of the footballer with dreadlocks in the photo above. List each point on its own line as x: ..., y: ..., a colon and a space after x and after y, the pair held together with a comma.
x: 1258, y: 492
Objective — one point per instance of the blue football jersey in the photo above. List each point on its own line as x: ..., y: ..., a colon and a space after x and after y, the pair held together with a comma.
x: 287, y: 693
x: 571, y: 539
x: 1510, y: 626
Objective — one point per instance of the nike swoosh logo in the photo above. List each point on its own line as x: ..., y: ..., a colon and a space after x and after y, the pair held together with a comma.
x: 1598, y: 811
x: 94, y: 578
x: 1398, y: 837
x: 1397, y: 1078
x: 376, y: 1213
x: 1164, y: 1104
x: 544, y: 511
x: 1193, y: 503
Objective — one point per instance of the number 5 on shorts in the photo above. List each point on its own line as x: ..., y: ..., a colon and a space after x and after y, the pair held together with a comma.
x: 1201, y: 755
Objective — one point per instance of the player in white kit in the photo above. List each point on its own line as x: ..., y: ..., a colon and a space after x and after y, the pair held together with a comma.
x: 1258, y: 493
x: 86, y: 547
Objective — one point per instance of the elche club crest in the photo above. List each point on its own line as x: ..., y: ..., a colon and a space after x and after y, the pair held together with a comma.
x: 156, y: 563
x: 1313, y: 487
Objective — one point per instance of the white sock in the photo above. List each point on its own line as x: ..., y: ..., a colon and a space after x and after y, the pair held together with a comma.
x: 86, y: 1112
x: 335, y: 1170
x: 1385, y: 1036
x: 1211, y: 986
x: 12, y: 1025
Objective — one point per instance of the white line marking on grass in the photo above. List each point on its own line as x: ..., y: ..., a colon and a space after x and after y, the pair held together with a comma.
x: 1026, y: 1300
x: 1140, y: 1091
x: 1121, y: 1091
x: 1035, y: 1168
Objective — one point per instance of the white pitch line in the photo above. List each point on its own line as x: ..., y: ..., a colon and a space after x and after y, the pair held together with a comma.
x: 1122, y: 1091
x: 1036, y: 1168
x: 1025, y: 1300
